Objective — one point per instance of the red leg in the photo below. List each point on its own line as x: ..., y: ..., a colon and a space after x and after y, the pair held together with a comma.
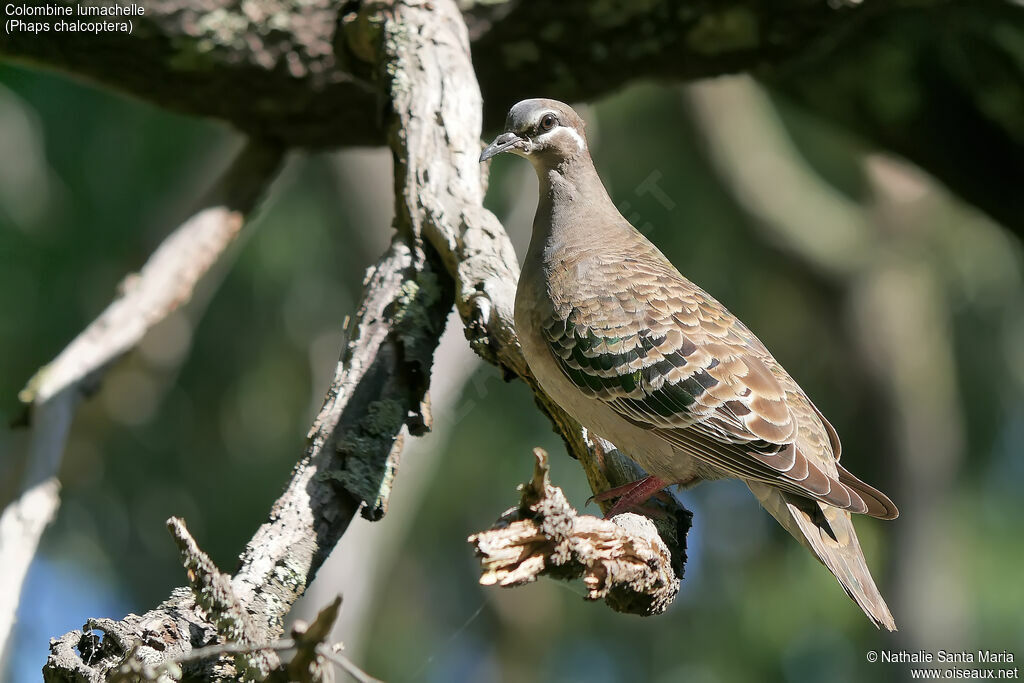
x: 617, y: 491
x: 631, y: 495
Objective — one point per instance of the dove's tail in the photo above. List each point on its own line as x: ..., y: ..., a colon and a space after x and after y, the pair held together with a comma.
x: 828, y: 533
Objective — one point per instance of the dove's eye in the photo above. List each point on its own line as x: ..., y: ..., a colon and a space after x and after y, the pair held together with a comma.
x: 547, y: 122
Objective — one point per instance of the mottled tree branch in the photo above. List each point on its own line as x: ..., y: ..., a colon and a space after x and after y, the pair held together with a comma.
x: 304, y: 73
x: 215, y: 598
x: 378, y: 390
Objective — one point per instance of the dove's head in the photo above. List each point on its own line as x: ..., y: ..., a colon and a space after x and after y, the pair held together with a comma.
x: 547, y: 132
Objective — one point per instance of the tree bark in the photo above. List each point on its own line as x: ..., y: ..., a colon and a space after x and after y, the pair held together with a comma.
x: 913, y: 76
x: 305, y: 73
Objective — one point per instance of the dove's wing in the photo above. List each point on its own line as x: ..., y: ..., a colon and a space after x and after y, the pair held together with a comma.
x: 670, y: 358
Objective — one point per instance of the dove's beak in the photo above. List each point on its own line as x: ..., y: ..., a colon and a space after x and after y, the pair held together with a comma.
x: 502, y: 143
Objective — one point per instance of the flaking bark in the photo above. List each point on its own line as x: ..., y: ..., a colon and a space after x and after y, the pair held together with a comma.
x: 622, y: 561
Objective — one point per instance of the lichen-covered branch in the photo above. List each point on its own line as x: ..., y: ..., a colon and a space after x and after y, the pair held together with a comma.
x: 378, y: 389
x: 216, y: 599
x: 142, y: 660
x: 302, y: 73
x: 270, y: 68
x: 355, y: 441
x: 622, y: 561
x: 100, y: 648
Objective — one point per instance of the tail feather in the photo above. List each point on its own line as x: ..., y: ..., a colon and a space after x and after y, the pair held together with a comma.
x: 878, y: 503
x: 829, y: 534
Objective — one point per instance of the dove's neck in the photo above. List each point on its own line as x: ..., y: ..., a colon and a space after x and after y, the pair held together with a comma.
x: 574, y: 211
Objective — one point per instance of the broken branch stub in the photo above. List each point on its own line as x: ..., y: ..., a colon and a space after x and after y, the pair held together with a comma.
x: 622, y: 561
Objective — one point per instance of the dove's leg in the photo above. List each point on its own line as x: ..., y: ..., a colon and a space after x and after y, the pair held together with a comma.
x: 619, y: 491
x: 631, y: 495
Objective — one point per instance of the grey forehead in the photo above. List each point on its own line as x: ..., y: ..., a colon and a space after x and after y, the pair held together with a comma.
x: 524, y: 114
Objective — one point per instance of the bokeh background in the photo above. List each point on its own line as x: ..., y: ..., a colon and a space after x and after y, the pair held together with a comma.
x: 897, y: 304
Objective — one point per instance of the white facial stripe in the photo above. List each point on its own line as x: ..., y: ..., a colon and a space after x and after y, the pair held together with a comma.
x: 580, y: 142
x: 558, y: 130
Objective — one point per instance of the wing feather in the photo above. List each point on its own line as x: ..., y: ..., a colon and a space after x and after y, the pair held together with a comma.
x: 668, y: 357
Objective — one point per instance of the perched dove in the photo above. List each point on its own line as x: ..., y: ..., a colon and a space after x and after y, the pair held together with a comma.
x: 648, y: 360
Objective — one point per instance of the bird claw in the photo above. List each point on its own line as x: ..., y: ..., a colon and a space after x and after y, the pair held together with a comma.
x: 631, y: 496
